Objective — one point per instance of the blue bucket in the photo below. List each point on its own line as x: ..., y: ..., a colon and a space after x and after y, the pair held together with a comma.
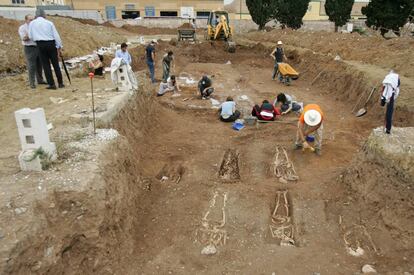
x: 310, y: 138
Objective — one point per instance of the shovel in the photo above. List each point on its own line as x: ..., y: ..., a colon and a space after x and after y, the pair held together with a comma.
x: 363, y: 110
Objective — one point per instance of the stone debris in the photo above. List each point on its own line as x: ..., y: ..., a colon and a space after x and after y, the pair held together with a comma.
x: 209, y: 250
x: 57, y: 100
x: 106, y: 134
x: 20, y: 210
x: 368, y: 269
x: 214, y: 102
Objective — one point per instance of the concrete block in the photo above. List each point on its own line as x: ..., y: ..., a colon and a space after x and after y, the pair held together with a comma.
x: 123, y: 80
x: 27, y: 163
x: 33, y: 134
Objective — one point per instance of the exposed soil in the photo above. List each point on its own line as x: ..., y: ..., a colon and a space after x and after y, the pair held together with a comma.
x: 389, y: 54
x: 155, y: 199
x: 83, y: 41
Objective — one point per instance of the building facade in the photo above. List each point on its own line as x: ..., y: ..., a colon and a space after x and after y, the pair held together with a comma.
x: 124, y: 9
x: 30, y: 3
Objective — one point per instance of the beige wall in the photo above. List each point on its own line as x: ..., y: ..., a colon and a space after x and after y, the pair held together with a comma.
x: 26, y: 3
x: 164, y: 5
x: 32, y: 3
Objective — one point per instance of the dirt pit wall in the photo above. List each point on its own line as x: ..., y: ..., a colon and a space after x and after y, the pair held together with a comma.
x: 379, y: 186
x: 337, y: 78
x: 92, y: 229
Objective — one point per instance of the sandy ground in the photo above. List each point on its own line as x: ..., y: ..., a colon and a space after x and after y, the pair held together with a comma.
x: 111, y: 214
x: 83, y: 41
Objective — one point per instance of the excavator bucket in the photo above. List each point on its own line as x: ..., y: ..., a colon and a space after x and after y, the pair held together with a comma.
x: 230, y: 46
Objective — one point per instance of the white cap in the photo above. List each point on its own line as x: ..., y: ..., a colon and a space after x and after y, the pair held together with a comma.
x: 154, y: 41
x: 279, y: 42
x: 313, y: 118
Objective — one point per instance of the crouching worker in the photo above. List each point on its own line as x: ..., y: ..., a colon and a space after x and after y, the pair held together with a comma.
x: 169, y: 85
x: 266, y: 112
x: 205, y: 87
x: 310, y: 122
x: 228, y: 112
x: 96, y: 65
x: 285, y: 104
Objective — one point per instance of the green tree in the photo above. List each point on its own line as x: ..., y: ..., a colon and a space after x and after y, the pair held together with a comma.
x: 339, y: 11
x: 385, y: 15
x: 261, y: 11
x: 290, y: 12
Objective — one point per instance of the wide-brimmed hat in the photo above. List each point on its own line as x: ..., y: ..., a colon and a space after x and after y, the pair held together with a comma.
x: 313, y: 117
x: 154, y: 41
x: 279, y: 42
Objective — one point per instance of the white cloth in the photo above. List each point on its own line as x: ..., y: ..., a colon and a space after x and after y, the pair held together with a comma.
x: 115, y: 65
x: 227, y: 109
x: 41, y: 29
x: 23, y: 32
x: 391, y: 86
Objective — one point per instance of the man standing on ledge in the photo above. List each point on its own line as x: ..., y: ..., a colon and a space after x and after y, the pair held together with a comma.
x: 48, y: 41
x: 34, y: 66
x: 150, y: 56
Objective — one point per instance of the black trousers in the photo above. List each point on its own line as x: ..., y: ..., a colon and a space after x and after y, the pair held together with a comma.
x: 232, y: 118
x: 48, y: 54
x: 388, y: 114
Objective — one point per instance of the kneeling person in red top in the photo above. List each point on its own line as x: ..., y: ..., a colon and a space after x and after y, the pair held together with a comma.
x: 266, y: 112
x: 310, y: 122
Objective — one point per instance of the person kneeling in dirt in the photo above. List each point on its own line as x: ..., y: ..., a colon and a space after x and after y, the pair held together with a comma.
x: 285, y: 104
x: 228, y: 112
x: 169, y: 85
x: 266, y: 112
x: 310, y: 122
x: 205, y: 87
x: 96, y: 65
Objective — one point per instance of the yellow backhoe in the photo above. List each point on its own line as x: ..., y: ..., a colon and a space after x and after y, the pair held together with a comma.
x: 218, y: 28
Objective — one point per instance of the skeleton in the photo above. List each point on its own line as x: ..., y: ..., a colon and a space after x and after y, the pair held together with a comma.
x: 281, y: 226
x: 356, y: 246
x: 283, y: 167
x: 212, y: 232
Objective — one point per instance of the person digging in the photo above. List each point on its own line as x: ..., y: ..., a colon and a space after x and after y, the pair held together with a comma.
x: 310, y: 124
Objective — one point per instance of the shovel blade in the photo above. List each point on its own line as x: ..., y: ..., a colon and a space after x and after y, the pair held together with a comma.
x: 361, y: 112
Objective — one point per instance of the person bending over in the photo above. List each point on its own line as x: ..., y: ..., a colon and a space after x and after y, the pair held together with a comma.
x: 266, y: 112
x: 169, y: 85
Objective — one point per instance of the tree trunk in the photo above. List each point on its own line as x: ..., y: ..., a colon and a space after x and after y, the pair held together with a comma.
x: 336, y: 28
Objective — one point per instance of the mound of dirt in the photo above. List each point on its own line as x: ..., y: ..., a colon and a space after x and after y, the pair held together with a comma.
x: 185, y: 26
x: 395, y: 53
x: 78, y: 39
x: 147, y: 31
x: 380, y: 189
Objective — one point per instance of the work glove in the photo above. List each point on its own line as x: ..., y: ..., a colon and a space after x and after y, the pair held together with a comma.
x: 383, y: 101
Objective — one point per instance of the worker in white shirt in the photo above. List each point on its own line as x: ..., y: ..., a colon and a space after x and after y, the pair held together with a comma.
x: 34, y: 65
x: 124, y: 54
x: 48, y: 41
x: 390, y: 92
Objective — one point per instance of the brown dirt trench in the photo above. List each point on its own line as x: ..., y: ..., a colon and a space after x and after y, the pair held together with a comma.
x: 189, y: 135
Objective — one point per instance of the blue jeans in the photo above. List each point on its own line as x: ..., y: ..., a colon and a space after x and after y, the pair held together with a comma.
x: 388, y: 115
x: 276, y: 72
x: 151, y: 69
